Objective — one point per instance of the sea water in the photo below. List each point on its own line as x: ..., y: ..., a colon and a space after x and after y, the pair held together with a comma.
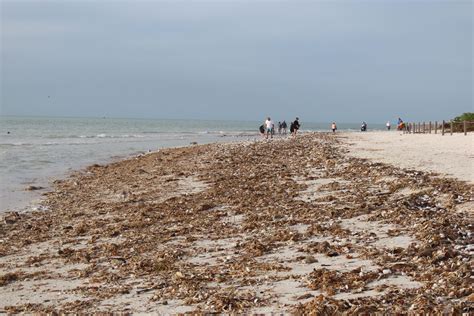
x: 36, y: 150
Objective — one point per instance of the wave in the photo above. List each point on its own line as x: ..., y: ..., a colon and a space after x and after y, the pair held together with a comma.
x: 43, y: 144
x: 16, y: 144
x: 109, y: 136
x: 104, y: 138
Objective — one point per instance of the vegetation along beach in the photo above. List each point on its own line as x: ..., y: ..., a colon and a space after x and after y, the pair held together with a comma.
x: 296, y: 224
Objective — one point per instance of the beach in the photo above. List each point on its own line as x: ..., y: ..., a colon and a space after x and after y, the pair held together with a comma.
x: 318, y: 223
x: 448, y: 155
x: 37, y: 150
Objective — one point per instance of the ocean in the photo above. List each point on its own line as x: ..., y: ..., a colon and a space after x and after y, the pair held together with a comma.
x: 37, y: 150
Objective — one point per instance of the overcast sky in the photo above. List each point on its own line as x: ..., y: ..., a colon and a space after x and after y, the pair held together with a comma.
x: 321, y: 60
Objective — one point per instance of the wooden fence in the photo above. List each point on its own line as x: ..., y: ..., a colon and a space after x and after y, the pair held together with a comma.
x: 441, y: 127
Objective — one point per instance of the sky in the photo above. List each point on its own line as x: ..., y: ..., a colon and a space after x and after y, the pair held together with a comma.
x: 345, y: 61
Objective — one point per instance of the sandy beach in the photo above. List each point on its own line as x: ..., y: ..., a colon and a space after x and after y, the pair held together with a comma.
x: 448, y: 155
x: 289, y: 225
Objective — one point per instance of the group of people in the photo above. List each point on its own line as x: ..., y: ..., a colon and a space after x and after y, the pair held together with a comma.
x: 400, y: 125
x: 268, y: 128
x: 363, y: 127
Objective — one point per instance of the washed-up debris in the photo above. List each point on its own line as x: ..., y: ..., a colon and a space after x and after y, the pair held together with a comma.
x: 229, y: 228
x: 34, y: 188
x: 11, y: 217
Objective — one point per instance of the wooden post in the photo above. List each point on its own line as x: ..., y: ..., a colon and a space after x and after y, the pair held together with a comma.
x: 451, y: 126
x: 442, y: 129
x: 430, y: 128
x: 424, y: 127
x: 465, y: 127
x: 436, y: 127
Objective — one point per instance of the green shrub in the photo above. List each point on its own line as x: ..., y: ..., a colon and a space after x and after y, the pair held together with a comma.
x: 468, y: 116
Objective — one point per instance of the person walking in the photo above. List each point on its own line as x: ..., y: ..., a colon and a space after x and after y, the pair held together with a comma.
x: 262, y: 130
x: 400, y: 125
x: 284, y: 126
x: 333, y: 127
x: 295, y: 126
x: 269, y: 125
x: 388, y: 125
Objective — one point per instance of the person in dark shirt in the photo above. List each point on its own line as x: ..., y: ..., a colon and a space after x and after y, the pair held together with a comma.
x: 296, y: 126
x: 284, y: 126
x: 262, y: 130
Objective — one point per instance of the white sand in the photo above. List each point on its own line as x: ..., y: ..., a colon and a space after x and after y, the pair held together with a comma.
x: 450, y: 155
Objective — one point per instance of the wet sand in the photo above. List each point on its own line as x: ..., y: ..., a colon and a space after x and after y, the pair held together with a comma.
x: 289, y: 225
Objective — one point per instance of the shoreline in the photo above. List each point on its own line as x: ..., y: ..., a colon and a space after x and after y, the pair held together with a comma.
x: 292, y: 225
x: 29, y: 200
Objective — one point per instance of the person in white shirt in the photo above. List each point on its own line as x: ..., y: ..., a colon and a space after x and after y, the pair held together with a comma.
x: 388, y: 125
x: 269, y: 125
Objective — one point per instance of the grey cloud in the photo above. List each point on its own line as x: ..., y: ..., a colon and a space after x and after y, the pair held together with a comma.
x: 340, y: 60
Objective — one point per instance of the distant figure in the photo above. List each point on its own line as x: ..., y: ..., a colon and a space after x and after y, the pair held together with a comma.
x: 295, y: 126
x: 279, y: 128
x: 262, y: 130
x: 388, y: 125
x: 363, y: 127
x: 269, y: 125
x: 333, y: 127
x: 8, y: 132
x: 400, y: 125
x: 284, y: 126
